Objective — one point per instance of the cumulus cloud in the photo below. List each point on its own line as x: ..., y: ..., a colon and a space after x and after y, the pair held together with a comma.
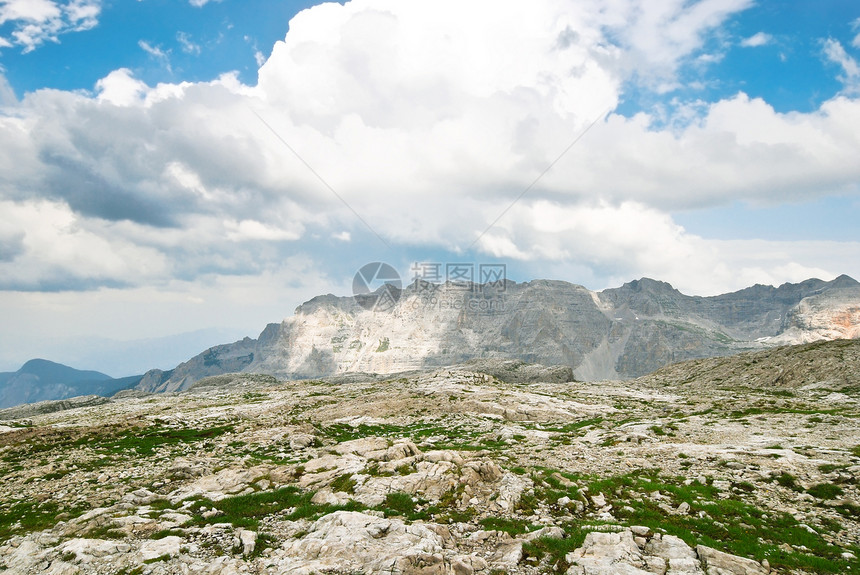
x: 39, y: 21
x: 7, y: 94
x: 756, y: 40
x: 428, y: 126
x: 54, y: 250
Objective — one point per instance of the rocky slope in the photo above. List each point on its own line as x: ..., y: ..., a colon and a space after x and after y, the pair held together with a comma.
x: 617, y: 333
x: 450, y: 471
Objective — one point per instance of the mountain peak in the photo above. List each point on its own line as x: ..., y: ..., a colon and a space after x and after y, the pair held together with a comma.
x: 54, y: 372
x: 844, y: 281
x: 650, y: 285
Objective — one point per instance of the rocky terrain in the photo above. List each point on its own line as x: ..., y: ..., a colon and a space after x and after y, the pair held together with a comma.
x: 739, y: 465
x: 617, y: 333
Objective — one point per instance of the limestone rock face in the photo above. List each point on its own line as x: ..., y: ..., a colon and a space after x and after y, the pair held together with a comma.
x: 348, y: 540
x: 621, y: 553
x: 623, y: 332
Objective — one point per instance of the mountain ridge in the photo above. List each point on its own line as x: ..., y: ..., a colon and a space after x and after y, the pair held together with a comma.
x: 616, y: 333
x: 42, y: 380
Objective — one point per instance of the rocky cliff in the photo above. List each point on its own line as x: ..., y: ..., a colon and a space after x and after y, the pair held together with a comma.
x: 622, y: 332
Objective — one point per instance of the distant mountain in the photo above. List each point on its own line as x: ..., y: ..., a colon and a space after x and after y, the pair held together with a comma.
x: 116, y: 357
x: 42, y: 380
x: 618, y: 333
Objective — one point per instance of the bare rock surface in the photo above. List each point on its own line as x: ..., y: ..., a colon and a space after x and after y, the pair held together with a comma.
x: 741, y: 466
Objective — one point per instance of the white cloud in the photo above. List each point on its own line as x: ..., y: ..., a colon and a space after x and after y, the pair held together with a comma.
x: 120, y: 88
x: 83, y: 14
x: 658, y: 35
x: 7, y: 94
x: 851, y: 69
x: 631, y: 240
x: 187, y: 45
x: 254, y: 230
x: 156, y: 52
x: 30, y: 10
x: 40, y: 21
x: 55, y: 250
x: 428, y: 146
x: 756, y: 40
x: 855, y: 25
x: 200, y: 3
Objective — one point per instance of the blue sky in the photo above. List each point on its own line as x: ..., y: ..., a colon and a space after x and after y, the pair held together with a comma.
x: 197, y: 43
x: 171, y: 166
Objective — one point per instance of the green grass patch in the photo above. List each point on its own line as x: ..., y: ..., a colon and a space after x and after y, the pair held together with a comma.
x: 344, y: 483
x: 567, y: 427
x: 167, y: 533
x: 788, y: 480
x: 246, y: 510
x: 731, y: 524
x: 551, y: 550
x: 825, y: 491
x: 146, y: 441
x: 510, y: 526
x: 23, y: 517
x: 402, y: 504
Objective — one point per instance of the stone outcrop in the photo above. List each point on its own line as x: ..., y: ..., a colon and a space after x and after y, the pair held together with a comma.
x: 623, y: 553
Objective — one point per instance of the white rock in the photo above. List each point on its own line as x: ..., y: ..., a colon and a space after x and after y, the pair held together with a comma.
x: 358, y: 541
x: 153, y: 549
x: 554, y: 532
x: 300, y: 441
x: 361, y: 446
x: 719, y: 563
x: 86, y: 550
x: 247, y: 540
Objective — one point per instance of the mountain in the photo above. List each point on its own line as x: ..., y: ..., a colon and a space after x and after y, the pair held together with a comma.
x: 42, y: 380
x: 622, y: 332
x: 118, y: 357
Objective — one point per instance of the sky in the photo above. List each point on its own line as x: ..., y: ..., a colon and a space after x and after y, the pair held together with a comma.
x: 205, y: 166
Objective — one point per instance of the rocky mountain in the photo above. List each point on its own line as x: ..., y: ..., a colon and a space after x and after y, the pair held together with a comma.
x: 42, y: 380
x: 741, y: 465
x: 622, y: 332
